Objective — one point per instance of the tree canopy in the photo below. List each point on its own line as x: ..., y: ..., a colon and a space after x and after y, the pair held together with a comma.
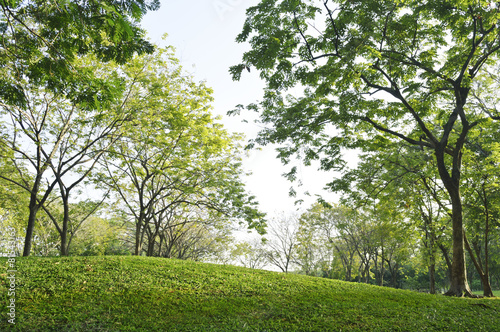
x: 41, y: 39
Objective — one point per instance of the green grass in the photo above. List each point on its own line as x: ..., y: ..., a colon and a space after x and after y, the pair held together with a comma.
x: 495, y: 293
x: 154, y: 294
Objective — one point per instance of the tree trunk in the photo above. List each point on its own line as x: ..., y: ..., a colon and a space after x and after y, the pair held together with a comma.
x: 432, y: 278
x: 382, y: 269
x: 432, y: 266
x: 33, y: 207
x: 151, y: 244
x: 446, y: 258
x: 138, y: 228
x: 64, y: 233
x: 487, y: 291
x: 367, y: 273
x: 160, y: 246
x: 458, y: 283
x: 393, y: 270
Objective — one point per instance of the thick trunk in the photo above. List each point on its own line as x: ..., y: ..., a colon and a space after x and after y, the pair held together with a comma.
x: 394, y: 275
x: 487, y: 291
x: 458, y: 277
x: 458, y: 283
x: 432, y: 278
x: 64, y: 247
x: 367, y: 273
x: 33, y: 208
x: 151, y: 245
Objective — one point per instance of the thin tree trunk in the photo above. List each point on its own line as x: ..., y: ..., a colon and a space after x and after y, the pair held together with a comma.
x: 160, y: 246
x: 432, y: 265
x: 382, y: 270
x: 487, y: 291
x: 138, y: 232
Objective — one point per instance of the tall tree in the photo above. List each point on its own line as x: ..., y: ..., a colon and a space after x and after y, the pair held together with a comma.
x: 174, y: 152
x: 249, y: 254
x: 60, y: 141
x: 40, y: 42
x: 370, y: 70
x: 481, y: 200
x: 329, y: 226
x: 405, y: 179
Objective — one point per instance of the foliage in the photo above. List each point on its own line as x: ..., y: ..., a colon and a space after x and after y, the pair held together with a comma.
x: 173, y: 163
x: 250, y: 254
x: 41, y: 39
x: 99, y: 237
x: 360, y: 74
x: 142, y: 293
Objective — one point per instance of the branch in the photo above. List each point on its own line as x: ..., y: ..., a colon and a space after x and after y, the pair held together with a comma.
x: 302, y: 34
x: 396, y: 93
x: 399, y: 135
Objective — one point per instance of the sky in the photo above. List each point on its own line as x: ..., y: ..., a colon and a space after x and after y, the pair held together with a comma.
x: 203, y: 33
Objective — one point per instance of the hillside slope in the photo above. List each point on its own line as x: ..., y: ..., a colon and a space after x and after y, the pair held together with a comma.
x: 154, y: 294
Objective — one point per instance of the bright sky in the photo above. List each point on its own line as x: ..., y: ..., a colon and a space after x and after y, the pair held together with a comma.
x: 203, y: 33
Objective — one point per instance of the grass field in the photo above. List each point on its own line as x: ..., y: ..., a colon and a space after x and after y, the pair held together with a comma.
x: 495, y: 293
x: 154, y: 294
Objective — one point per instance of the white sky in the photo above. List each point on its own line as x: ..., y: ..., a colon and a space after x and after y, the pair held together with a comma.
x: 203, y: 33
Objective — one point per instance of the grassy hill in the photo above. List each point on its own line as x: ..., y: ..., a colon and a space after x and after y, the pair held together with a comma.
x: 154, y: 294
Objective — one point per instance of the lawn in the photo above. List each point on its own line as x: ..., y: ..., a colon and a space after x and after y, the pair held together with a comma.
x: 153, y: 294
x: 480, y: 292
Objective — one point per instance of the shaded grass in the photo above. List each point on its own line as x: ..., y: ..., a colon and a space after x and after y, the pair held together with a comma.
x: 480, y: 292
x: 155, y: 294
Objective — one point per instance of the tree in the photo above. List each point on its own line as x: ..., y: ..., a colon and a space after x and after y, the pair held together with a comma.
x: 100, y: 236
x: 41, y: 42
x: 481, y: 200
x: 29, y: 143
x: 403, y: 180
x: 250, y: 254
x: 282, y: 241
x: 309, y: 254
x: 373, y: 71
x: 173, y: 153
x: 324, y: 224
x: 55, y: 144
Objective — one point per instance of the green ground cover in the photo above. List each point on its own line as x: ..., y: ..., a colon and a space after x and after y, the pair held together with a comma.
x: 480, y: 292
x: 154, y: 294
